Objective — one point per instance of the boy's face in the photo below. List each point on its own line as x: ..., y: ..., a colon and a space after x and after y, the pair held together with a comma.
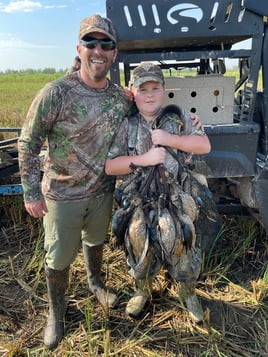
x: 149, y: 98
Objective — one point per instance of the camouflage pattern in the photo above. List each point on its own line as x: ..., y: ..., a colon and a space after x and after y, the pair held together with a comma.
x: 146, y: 72
x: 174, y: 125
x: 185, y: 266
x: 79, y: 124
x: 96, y: 23
x: 75, y: 66
x: 71, y: 70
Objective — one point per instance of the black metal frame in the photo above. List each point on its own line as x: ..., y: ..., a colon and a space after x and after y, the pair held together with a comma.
x: 9, y: 146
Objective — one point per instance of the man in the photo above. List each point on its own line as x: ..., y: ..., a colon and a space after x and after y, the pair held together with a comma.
x: 75, y: 66
x: 78, y: 116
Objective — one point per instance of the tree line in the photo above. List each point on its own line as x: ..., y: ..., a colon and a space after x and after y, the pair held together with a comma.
x: 32, y: 71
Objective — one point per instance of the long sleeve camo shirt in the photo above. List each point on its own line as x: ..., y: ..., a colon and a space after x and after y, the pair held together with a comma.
x: 143, y: 141
x: 78, y: 124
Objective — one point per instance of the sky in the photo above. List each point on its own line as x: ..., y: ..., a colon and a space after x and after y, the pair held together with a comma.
x: 42, y: 34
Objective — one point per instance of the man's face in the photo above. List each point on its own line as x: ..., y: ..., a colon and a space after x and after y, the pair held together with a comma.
x: 96, y: 61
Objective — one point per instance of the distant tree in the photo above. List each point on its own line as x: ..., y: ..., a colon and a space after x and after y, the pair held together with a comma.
x: 49, y: 70
x: 32, y: 71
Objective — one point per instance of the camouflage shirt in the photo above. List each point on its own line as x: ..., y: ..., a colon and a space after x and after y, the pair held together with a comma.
x: 78, y: 124
x: 172, y: 123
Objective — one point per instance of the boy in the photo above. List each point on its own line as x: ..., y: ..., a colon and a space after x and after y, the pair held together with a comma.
x: 164, y: 138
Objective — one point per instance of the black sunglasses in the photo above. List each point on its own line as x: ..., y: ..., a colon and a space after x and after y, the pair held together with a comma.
x: 106, y: 45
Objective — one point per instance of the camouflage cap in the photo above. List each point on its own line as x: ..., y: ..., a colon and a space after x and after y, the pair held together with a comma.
x: 145, y: 72
x: 96, y: 23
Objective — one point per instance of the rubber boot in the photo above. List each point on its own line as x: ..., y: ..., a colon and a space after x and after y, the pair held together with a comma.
x: 57, y: 281
x: 192, y: 303
x: 93, y: 261
x: 139, y: 299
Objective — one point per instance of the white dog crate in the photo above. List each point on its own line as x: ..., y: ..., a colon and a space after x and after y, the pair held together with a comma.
x: 211, y: 97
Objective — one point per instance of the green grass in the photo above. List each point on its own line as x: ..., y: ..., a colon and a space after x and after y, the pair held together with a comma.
x: 17, y: 92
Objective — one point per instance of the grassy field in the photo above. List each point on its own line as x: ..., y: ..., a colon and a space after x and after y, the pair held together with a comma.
x: 233, y: 289
x: 17, y: 92
x: 233, y: 285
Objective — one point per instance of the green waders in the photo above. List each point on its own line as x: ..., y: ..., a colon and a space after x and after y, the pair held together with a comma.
x: 57, y: 281
x: 139, y: 299
x: 93, y: 261
x: 192, y: 303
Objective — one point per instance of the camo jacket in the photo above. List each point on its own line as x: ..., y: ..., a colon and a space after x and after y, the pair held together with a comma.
x: 78, y: 124
x: 143, y: 142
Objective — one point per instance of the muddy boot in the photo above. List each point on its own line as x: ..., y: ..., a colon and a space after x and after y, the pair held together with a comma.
x: 57, y: 281
x: 191, y: 300
x: 93, y: 261
x: 138, y: 301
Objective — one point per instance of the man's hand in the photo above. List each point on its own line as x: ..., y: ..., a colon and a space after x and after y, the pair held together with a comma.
x: 196, y: 121
x: 36, y: 209
x: 129, y: 94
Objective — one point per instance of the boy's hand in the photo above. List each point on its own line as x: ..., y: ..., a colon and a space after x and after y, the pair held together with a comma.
x: 160, y: 137
x: 155, y: 156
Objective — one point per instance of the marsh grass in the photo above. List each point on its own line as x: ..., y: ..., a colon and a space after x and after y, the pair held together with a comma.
x: 232, y: 289
x: 17, y: 92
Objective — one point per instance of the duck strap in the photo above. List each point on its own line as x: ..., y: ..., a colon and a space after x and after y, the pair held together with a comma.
x: 132, y: 134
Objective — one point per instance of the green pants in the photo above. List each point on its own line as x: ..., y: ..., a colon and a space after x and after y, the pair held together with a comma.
x: 67, y: 223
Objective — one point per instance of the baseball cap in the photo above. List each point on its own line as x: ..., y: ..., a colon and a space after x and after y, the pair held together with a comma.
x: 145, y: 72
x: 96, y: 23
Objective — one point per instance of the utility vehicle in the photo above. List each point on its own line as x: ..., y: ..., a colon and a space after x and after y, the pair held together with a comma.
x: 208, y: 38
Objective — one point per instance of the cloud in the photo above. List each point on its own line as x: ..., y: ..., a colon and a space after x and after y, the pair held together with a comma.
x: 25, y: 6
x: 11, y: 42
